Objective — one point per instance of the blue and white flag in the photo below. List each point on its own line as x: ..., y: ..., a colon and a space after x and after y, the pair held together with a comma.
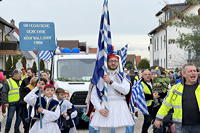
x: 104, y: 49
x: 123, y: 54
x: 138, y: 97
x: 45, y: 55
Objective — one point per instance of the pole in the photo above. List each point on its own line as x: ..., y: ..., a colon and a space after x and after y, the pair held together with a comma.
x: 38, y: 52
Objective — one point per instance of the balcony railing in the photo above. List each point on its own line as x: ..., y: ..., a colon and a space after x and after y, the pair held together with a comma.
x: 9, y: 45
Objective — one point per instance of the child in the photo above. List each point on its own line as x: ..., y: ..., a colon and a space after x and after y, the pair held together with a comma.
x: 66, y: 97
x: 49, y: 110
x: 31, y: 98
x: 68, y: 112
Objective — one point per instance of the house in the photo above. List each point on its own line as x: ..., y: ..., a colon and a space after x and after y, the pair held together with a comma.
x: 9, y: 45
x: 164, y: 51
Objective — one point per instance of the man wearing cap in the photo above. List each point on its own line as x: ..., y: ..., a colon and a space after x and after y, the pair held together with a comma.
x: 10, y: 98
x: 117, y: 115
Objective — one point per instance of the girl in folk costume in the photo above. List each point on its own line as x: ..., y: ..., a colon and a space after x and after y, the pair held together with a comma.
x: 31, y: 98
x: 117, y: 115
x: 67, y: 113
x: 49, y: 110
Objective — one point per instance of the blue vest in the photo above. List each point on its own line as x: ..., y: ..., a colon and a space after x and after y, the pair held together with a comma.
x: 51, y: 106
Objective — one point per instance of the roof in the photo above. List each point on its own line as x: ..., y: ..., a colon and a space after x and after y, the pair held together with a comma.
x: 28, y: 55
x: 6, y: 23
x: 178, y: 6
x: 157, y: 29
x: 68, y: 43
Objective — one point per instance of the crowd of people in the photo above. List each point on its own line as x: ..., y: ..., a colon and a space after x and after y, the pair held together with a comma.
x: 37, y: 104
x: 172, y: 100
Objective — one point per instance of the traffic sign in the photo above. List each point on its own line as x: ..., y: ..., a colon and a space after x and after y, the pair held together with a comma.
x: 37, y: 36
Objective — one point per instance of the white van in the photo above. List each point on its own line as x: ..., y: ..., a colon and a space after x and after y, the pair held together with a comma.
x: 73, y: 73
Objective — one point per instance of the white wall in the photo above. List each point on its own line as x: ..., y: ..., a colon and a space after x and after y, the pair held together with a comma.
x: 176, y: 57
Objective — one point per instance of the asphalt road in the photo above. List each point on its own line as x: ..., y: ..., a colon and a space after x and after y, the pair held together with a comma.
x: 138, y: 125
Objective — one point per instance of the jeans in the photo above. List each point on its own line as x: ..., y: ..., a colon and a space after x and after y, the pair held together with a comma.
x: 130, y: 129
x: 187, y: 128
x: 93, y: 130
x: 13, y: 107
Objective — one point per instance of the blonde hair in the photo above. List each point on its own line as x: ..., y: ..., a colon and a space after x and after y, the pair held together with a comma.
x: 33, y: 81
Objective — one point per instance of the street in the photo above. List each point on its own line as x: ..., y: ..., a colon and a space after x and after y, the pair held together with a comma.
x: 138, y: 125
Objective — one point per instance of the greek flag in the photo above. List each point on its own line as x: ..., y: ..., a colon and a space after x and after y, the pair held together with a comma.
x: 138, y: 97
x: 104, y: 49
x: 123, y: 54
x: 46, y: 55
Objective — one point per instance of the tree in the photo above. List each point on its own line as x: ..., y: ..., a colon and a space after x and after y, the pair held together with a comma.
x: 129, y: 66
x: 189, y: 41
x: 15, y: 60
x: 42, y: 65
x: 143, y: 64
x: 34, y: 66
x: 9, y: 64
x: 23, y: 61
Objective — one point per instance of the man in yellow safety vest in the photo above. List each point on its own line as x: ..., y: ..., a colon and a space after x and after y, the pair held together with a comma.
x: 184, y: 99
x: 10, y: 98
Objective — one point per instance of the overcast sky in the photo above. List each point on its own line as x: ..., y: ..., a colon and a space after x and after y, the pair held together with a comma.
x: 131, y: 20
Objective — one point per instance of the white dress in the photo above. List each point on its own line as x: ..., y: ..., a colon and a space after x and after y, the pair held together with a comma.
x: 119, y: 113
x: 49, y: 124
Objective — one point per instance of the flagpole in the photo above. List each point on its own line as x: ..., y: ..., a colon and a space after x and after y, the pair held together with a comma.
x: 40, y: 103
x: 105, y: 22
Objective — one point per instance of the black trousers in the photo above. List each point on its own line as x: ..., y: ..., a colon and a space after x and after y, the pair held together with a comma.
x: 65, y: 130
x: 147, y: 123
x: 24, y: 117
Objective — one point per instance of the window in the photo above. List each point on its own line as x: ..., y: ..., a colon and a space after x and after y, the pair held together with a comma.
x: 189, y: 54
x: 164, y: 63
x: 161, y: 42
x: 157, y: 43
x: 1, y: 35
x: 164, y: 41
x: 75, y: 69
x: 161, y: 62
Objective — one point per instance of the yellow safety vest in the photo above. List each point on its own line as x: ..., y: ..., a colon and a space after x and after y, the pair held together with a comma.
x: 13, y: 93
x: 174, y: 100
x: 147, y: 91
x: 136, y: 78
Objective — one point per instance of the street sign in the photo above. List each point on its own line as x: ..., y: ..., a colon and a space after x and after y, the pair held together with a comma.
x: 37, y: 36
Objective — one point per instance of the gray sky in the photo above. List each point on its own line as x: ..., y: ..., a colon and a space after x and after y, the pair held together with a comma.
x: 131, y: 20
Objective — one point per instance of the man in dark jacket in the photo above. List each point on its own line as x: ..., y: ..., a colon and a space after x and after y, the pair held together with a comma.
x: 149, y: 97
x: 23, y: 93
x: 26, y: 81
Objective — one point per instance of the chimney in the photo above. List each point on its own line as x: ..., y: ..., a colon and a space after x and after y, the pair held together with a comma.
x: 12, y: 21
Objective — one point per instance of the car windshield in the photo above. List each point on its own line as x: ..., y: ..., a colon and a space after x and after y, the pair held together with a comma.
x: 75, y: 69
